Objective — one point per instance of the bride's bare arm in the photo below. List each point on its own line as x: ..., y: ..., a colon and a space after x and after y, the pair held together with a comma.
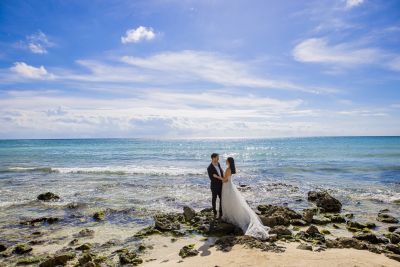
x: 227, y: 175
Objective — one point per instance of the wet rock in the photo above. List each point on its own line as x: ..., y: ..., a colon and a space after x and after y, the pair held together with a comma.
x: 393, y: 228
x: 188, y: 251
x: 324, y: 200
x: 74, y: 242
x: 386, y: 218
x: 393, y: 248
x: 304, y: 246
x: 99, y: 215
x: 394, y: 238
x: 274, y: 220
x: 281, y: 231
x: 168, y: 221
x: 85, y: 246
x: 22, y: 249
x: 396, y: 201
x: 85, y: 259
x: 321, y: 220
x: 346, y: 242
x: 298, y: 222
x: 312, y: 230
x: 227, y: 242
x: 221, y: 228
x: 49, y: 196
x: 393, y: 256
x: 336, y: 226
x: 29, y: 260
x: 49, y: 220
x: 58, y: 260
x: 188, y: 213
x: 308, y: 215
x: 336, y: 218
x: 85, y: 233
x: 130, y: 258
x: 2, y: 247
x: 356, y: 225
x: 325, y: 232
x: 370, y: 237
x: 349, y: 215
x: 147, y: 231
x: 272, y: 210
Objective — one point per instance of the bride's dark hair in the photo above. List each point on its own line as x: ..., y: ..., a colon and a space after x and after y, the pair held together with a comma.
x: 232, y: 165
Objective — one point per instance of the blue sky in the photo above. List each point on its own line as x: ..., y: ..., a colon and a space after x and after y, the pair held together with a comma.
x: 197, y: 69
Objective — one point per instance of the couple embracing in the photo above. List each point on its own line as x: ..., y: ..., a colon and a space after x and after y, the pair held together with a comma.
x: 233, y: 208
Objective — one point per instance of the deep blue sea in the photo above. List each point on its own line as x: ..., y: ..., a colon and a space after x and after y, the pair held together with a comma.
x: 154, y: 175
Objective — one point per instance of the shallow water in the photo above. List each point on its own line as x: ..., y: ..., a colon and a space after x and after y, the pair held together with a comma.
x: 134, y: 178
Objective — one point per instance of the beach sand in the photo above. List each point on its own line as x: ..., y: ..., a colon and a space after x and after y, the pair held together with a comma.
x: 165, y: 254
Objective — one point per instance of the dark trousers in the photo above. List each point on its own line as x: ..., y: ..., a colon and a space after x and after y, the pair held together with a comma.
x: 216, y: 193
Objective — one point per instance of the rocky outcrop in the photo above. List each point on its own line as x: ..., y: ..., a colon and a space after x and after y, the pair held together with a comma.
x: 188, y: 251
x: 168, y: 221
x: 272, y: 215
x: 48, y: 220
x: 49, y: 196
x: 22, y: 249
x: 130, y: 258
x: 227, y: 242
x: 325, y: 201
x: 386, y: 218
x: 188, y: 213
x: 2, y: 247
x: 371, y: 238
x: 59, y: 260
x: 99, y: 215
x: 304, y: 246
x: 281, y: 231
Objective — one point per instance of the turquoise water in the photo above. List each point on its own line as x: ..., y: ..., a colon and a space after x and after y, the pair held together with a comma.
x: 153, y: 175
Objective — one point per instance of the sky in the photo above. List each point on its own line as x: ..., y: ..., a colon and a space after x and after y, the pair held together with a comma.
x: 199, y: 69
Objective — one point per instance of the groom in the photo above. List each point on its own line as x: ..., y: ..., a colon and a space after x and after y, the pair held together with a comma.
x: 216, y: 184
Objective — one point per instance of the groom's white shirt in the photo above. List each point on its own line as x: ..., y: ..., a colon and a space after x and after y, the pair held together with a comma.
x: 217, y: 168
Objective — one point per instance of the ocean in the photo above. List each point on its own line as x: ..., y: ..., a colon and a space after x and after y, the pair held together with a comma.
x: 135, y: 178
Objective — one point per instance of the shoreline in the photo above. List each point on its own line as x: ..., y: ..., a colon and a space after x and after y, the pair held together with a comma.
x: 319, y: 235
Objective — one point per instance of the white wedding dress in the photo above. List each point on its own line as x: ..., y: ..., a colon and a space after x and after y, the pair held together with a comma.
x: 235, y: 210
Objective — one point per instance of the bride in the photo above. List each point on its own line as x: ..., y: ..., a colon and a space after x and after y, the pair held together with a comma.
x: 235, y: 209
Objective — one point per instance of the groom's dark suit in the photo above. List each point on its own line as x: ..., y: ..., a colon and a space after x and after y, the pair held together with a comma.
x: 216, y: 187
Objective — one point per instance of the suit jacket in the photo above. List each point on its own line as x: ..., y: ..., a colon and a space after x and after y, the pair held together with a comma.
x: 216, y: 184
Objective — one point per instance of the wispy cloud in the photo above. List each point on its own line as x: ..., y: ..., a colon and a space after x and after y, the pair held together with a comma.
x: 319, y: 50
x: 38, y: 43
x: 31, y: 72
x: 139, y: 34
x: 353, y: 3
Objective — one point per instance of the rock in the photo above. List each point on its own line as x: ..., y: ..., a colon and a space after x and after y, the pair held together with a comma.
x: 325, y: 232
x: 274, y: 220
x: 85, y: 246
x: 85, y: 259
x: 394, y: 238
x: 336, y: 218
x: 48, y: 196
x: 61, y: 259
x: 346, y: 242
x: 312, y: 230
x: 396, y: 201
x: 49, y: 220
x: 73, y: 242
x: 304, y: 246
x: 356, y: 225
x: 147, y: 231
x: 189, y: 213
x: 386, y: 218
x: 2, y: 247
x: 85, y: 233
x: 336, y: 226
x: 349, y: 215
x: 188, y: 251
x: 308, y: 215
x: 29, y: 260
x: 281, y: 231
x: 130, y: 258
x: 393, y: 228
x: 320, y: 220
x: 393, y: 248
x: 168, y: 221
x: 369, y: 237
x: 393, y: 256
x: 221, y: 228
x: 227, y: 242
x: 99, y: 215
x: 272, y: 210
x: 22, y: 249
x: 298, y: 222
x: 324, y: 200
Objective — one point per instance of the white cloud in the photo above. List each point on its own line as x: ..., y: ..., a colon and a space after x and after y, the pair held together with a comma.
x: 38, y: 43
x: 317, y: 50
x: 139, y: 34
x: 353, y: 3
x: 31, y: 72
